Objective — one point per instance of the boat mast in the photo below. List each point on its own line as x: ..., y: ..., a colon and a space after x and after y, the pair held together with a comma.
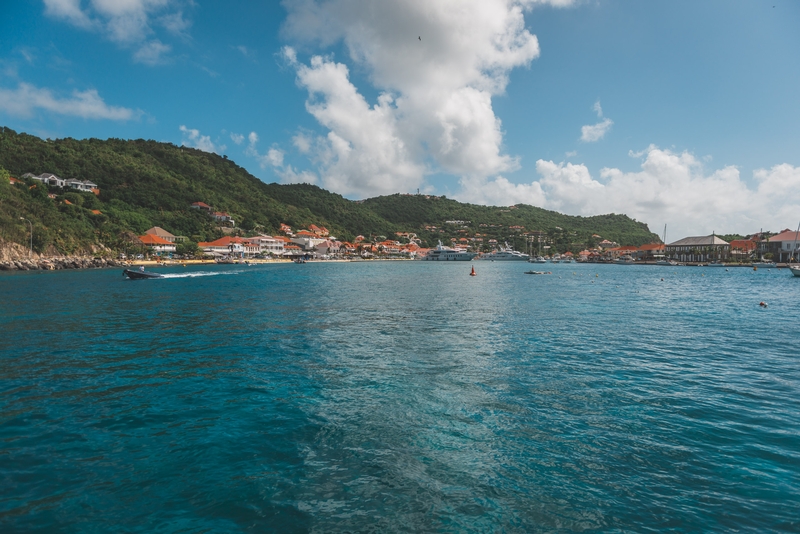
x: 794, y: 247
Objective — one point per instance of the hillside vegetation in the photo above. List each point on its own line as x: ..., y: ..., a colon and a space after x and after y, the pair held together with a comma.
x: 147, y: 183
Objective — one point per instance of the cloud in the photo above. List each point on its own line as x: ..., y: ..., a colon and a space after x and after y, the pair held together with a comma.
x: 274, y: 159
x: 26, y: 98
x: 193, y: 138
x: 152, y: 53
x: 436, y: 66
x: 670, y: 188
x: 598, y: 109
x: 237, y: 138
x: 595, y: 132
x: 129, y: 23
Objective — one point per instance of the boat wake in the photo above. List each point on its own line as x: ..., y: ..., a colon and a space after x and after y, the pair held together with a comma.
x: 200, y: 273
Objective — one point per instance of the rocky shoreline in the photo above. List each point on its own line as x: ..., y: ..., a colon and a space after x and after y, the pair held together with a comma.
x: 53, y: 264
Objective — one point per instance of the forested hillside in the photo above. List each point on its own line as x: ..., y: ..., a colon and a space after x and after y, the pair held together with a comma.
x: 147, y: 183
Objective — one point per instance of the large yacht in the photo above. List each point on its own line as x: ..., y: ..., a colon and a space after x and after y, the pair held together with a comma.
x: 506, y: 254
x: 443, y: 253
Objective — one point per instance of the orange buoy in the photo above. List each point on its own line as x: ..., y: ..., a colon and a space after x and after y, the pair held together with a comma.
x: 473, y: 273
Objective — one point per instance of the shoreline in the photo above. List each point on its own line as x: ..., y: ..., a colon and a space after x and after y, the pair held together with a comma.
x: 58, y: 263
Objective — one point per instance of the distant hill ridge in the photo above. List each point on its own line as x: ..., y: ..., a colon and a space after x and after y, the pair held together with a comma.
x: 147, y: 183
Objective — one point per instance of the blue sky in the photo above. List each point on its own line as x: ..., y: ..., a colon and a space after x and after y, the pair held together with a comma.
x: 681, y: 113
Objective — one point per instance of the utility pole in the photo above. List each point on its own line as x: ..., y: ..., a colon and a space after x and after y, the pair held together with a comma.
x: 31, y: 250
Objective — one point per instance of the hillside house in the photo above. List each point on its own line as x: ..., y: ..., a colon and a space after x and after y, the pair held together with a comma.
x: 163, y: 234
x: 201, y: 206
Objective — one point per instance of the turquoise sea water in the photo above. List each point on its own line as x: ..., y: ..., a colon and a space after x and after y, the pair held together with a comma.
x: 400, y: 397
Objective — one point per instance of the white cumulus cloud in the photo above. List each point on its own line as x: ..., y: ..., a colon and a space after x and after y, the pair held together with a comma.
x: 26, y: 98
x: 193, y: 138
x: 436, y: 66
x: 672, y: 188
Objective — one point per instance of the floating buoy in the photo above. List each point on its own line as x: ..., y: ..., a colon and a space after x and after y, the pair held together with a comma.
x: 662, y: 279
x: 473, y: 273
x: 597, y: 275
x: 762, y: 304
x: 755, y: 268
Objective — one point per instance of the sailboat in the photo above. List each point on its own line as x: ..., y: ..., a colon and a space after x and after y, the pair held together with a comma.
x: 665, y: 261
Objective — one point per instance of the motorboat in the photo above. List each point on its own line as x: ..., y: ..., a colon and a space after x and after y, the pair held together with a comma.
x: 444, y: 253
x: 541, y: 272
x: 506, y: 254
x: 625, y: 260
x: 795, y: 270
x: 537, y: 259
x: 716, y: 263
x: 141, y: 274
x: 763, y: 263
x: 669, y: 263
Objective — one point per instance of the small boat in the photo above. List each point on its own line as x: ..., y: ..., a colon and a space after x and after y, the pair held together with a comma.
x: 795, y: 270
x: 716, y: 263
x: 141, y: 274
x: 538, y: 272
x: 764, y: 264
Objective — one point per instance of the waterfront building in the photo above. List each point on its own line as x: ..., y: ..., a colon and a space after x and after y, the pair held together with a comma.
x: 163, y: 234
x: 700, y: 248
x: 784, y: 245
x: 156, y: 244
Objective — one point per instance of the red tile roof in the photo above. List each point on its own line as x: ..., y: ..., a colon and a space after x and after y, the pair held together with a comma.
x: 149, y: 239
x: 786, y: 235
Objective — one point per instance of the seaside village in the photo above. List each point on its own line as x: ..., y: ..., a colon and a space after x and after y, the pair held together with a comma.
x: 317, y: 243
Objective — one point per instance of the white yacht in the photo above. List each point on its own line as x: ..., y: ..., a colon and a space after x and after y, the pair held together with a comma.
x: 506, y: 254
x: 627, y: 259
x: 537, y: 259
x: 443, y: 253
x: 764, y: 263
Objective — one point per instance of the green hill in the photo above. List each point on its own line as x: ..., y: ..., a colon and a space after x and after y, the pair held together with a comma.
x: 147, y: 183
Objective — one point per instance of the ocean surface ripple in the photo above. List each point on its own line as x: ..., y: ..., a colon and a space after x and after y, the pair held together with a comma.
x: 400, y: 397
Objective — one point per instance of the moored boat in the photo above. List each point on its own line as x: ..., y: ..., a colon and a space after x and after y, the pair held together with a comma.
x: 506, y: 254
x: 443, y: 253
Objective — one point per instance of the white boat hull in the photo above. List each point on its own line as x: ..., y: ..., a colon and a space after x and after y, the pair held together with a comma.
x: 795, y: 271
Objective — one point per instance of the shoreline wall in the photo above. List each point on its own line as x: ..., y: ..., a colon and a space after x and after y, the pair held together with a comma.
x: 58, y: 263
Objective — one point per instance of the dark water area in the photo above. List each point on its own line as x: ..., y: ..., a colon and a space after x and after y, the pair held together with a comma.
x: 400, y: 397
